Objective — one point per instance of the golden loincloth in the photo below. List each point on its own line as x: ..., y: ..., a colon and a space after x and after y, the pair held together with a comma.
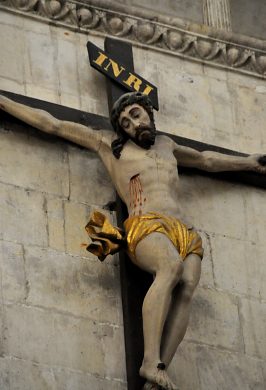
x: 106, y: 238
x: 110, y: 239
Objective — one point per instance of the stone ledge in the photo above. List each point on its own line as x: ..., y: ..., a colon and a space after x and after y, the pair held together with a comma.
x: 199, y: 43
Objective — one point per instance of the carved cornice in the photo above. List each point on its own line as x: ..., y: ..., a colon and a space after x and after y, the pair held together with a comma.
x: 142, y: 31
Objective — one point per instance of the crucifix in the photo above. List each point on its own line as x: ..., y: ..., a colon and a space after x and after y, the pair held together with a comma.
x: 142, y: 164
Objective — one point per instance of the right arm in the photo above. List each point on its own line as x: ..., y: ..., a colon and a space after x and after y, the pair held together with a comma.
x: 44, y: 121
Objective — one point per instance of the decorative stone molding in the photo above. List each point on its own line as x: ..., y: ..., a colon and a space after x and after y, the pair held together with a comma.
x: 216, y: 13
x: 166, y: 37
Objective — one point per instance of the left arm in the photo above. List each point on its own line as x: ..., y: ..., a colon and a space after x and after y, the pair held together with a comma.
x: 217, y: 162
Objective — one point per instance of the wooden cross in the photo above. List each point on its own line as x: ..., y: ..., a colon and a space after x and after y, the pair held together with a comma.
x: 134, y: 282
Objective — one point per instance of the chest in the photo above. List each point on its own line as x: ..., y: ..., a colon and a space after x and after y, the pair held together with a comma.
x: 149, y: 164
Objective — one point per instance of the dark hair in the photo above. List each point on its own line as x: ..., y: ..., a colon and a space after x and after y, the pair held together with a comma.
x: 126, y: 100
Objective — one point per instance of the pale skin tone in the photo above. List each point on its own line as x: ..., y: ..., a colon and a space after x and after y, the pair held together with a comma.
x: 167, y: 304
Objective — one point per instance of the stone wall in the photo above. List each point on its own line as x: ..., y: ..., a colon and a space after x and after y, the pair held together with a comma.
x: 189, y: 9
x: 246, y: 17
x: 61, y: 320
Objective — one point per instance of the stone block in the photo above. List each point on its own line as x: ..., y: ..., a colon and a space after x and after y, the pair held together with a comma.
x: 199, y: 367
x: 187, y: 130
x: 192, y: 91
x: 14, y: 287
x: 191, y: 10
x: 253, y: 317
x: 34, y: 26
x: 12, y: 85
x: 239, y: 266
x: 67, y: 46
x: 69, y: 100
x: 221, y: 101
x: 89, y: 180
x: 1, y: 326
x: 255, y: 215
x: 4, y: 377
x: 11, y: 51
x: 206, y: 278
x: 69, y: 380
x: 246, y: 119
x: 181, y: 91
x: 82, y: 287
x: 10, y: 19
x: 112, y: 340
x: 56, y: 224
x: 214, y: 320
x: 24, y: 216
x: 220, y: 370
x: 263, y: 366
x: 215, y: 73
x: 76, y: 218
x: 54, y: 339
x: 183, y: 369
x: 247, y: 22
x: 43, y: 165
x: 213, y: 206
x: 249, y: 144
x: 17, y: 374
x: 42, y: 93
x: 40, y: 61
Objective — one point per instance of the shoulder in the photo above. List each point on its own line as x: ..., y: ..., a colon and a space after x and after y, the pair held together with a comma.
x: 107, y: 138
x: 105, y: 149
x: 165, y: 140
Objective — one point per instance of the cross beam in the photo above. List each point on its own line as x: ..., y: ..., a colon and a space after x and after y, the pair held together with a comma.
x: 98, y: 122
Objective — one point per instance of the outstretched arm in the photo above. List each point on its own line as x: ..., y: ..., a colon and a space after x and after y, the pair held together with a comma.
x: 42, y: 120
x: 217, y: 162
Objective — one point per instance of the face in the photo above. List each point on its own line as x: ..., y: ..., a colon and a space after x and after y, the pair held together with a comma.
x: 135, y: 121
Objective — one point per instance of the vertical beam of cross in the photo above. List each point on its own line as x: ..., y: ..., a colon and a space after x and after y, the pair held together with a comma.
x: 134, y: 282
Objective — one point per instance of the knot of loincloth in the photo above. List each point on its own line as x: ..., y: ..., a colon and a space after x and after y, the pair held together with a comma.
x: 106, y: 238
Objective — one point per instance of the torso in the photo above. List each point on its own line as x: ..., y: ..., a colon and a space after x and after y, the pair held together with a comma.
x: 146, y: 180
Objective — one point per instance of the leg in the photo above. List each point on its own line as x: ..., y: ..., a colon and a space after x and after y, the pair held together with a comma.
x: 177, y: 320
x: 157, y: 255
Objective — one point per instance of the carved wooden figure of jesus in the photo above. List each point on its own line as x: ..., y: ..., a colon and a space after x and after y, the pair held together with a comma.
x: 142, y: 166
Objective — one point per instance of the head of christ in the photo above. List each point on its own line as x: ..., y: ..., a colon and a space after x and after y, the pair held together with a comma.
x: 132, y: 118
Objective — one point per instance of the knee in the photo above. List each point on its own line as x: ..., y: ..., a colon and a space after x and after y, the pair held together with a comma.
x: 188, y: 288
x: 173, y: 272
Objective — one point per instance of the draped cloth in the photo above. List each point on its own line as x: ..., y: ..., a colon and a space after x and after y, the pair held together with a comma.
x: 108, y: 239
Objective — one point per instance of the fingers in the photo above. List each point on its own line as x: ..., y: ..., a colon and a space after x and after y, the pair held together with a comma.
x: 261, y: 169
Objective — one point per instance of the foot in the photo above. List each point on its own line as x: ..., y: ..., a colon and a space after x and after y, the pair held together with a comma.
x: 156, y: 376
x: 150, y: 386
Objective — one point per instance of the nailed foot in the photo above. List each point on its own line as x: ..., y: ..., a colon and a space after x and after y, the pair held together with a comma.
x: 150, y: 386
x: 156, y: 376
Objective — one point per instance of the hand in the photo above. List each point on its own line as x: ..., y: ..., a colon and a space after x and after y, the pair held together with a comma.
x: 258, y: 162
x: 3, y: 100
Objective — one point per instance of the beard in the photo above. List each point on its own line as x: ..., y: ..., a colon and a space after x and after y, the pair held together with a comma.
x: 145, y: 136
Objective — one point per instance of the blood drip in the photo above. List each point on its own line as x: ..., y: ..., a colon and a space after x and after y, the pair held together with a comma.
x: 136, y: 194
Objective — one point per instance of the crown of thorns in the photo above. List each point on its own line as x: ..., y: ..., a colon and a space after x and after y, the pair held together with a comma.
x: 126, y: 100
